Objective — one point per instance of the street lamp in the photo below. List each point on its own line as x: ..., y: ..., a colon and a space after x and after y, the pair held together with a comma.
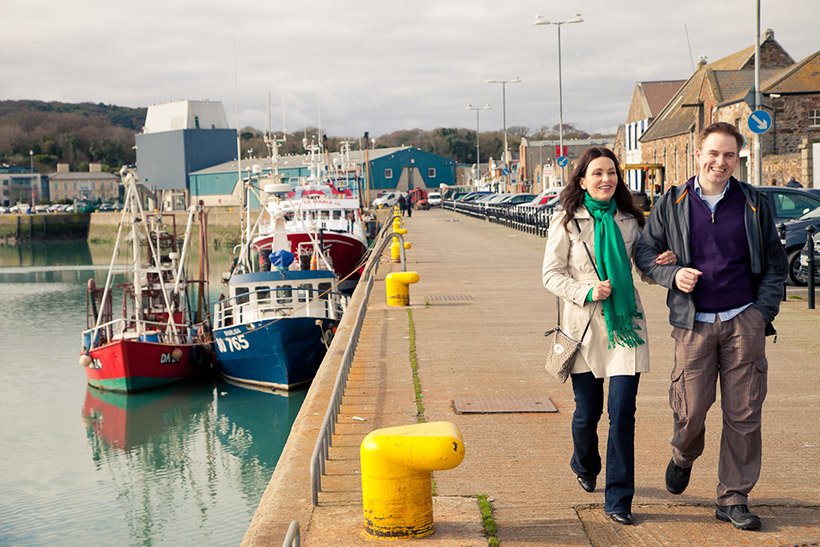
x: 541, y: 21
x: 477, y: 109
x: 504, y: 83
x: 31, y: 170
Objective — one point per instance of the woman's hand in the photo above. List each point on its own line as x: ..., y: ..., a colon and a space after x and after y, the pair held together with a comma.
x: 601, y: 290
x: 666, y: 258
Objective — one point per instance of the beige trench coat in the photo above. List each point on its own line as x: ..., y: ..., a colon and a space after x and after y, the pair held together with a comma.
x: 569, y: 274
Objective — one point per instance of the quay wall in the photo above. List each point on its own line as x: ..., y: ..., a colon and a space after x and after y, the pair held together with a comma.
x: 17, y: 227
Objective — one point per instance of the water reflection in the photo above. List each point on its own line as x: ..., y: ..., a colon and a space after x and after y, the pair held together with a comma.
x: 46, y: 253
x: 171, y: 453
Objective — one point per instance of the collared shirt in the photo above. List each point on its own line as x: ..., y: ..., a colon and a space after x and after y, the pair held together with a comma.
x: 703, y: 317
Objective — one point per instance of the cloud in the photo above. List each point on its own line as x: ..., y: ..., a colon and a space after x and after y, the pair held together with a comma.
x: 376, y: 65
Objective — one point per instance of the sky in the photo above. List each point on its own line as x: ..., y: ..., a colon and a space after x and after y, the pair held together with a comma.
x: 378, y: 65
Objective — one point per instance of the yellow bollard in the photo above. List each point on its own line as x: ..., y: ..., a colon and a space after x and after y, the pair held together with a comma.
x: 395, y: 251
x: 397, y: 287
x: 396, y: 463
x: 396, y: 224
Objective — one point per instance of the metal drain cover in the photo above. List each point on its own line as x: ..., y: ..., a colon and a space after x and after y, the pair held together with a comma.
x: 501, y: 405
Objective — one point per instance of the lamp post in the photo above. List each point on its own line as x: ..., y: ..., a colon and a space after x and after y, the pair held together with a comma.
x: 506, y: 158
x: 31, y: 170
x: 477, y: 109
x: 541, y: 21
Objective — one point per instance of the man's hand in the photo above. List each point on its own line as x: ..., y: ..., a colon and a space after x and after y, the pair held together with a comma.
x: 601, y: 290
x: 687, y: 278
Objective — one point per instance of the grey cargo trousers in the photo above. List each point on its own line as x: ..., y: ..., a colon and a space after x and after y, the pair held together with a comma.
x: 733, y: 351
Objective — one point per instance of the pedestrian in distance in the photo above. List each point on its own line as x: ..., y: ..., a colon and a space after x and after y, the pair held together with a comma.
x: 402, y: 205
x: 409, y: 205
x: 588, y: 265
x: 793, y: 183
x: 723, y: 294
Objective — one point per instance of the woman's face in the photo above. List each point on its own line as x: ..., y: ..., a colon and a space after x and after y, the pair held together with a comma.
x: 600, y: 179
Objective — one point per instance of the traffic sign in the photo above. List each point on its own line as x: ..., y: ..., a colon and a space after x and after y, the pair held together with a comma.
x: 563, y: 161
x: 505, y: 171
x: 760, y: 121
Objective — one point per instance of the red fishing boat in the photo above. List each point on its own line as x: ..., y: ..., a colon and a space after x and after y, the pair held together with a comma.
x: 160, y: 337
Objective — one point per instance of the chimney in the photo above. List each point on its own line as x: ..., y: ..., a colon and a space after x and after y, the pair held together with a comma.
x: 63, y: 168
x: 702, y: 60
x: 768, y: 34
x: 95, y: 168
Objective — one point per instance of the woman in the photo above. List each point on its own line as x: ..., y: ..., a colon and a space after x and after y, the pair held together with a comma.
x: 599, y: 216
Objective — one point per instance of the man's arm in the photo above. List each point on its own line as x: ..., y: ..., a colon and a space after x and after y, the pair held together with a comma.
x: 775, y: 265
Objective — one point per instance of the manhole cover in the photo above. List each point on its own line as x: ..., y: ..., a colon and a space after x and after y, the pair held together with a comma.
x: 500, y: 405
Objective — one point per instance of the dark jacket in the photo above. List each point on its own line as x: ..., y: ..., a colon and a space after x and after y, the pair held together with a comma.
x: 668, y: 229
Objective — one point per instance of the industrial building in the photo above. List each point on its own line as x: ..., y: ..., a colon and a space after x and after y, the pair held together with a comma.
x: 401, y: 168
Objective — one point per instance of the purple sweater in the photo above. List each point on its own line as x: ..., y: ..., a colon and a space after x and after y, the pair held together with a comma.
x: 720, y: 250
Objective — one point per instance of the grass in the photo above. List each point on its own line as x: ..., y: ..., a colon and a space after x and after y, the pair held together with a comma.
x: 414, y: 366
x: 487, y: 520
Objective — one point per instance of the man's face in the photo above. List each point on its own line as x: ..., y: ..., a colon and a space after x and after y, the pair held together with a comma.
x: 717, y: 158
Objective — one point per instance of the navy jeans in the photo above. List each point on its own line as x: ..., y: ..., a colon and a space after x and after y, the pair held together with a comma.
x: 620, y: 447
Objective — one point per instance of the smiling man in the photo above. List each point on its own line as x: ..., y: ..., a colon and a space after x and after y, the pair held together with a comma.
x: 723, y: 294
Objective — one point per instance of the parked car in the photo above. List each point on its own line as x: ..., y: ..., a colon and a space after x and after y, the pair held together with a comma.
x: 387, y: 200
x: 803, y: 273
x: 434, y: 199
x: 472, y: 196
x: 789, y: 203
x: 793, y: 236
x: 41, y: 209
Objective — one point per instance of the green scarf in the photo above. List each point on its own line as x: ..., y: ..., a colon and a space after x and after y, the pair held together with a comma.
x: 620, y: 309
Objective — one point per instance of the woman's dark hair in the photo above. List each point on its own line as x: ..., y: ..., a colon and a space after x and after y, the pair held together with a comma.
x: 572, y: 196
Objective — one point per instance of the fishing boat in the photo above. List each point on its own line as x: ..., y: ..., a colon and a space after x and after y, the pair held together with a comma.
x: 278, y: 316
x: 315, y: 209
x: 159, y: 337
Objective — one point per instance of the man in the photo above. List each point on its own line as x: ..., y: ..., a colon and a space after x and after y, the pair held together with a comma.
x: 723, y: 294
x: 793, y: 183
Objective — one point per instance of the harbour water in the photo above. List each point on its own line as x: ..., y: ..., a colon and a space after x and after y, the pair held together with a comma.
x: 180, y: 466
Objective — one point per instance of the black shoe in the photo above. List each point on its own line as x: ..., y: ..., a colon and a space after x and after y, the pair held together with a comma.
x: 677, y: 477
x: 586, y: 484
x: 739, y: 516
x: 621, y: 518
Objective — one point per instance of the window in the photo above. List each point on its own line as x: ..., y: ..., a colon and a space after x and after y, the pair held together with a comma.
x: 388, y: 173
x: 431, y: 172
x: 242, y: 295
x: 324, y: 291
x: 284, y: 294
x: 263, y: 295
x: 196, y: 122
x: 814, y: 118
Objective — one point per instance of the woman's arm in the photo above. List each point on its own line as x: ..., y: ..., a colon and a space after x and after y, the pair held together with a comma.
x: 555, y: 272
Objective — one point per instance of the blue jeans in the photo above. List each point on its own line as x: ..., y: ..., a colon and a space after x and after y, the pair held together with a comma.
x: 620, y: 447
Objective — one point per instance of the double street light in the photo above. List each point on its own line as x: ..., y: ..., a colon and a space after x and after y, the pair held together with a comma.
x: 477, y: 109
x: 541, y: 21
x: 506, y: 159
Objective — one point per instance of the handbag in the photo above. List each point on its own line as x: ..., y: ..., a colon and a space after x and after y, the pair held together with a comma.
x: 563, y: 348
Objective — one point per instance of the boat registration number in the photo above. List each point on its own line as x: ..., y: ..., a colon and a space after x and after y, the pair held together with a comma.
x: 232, y: 343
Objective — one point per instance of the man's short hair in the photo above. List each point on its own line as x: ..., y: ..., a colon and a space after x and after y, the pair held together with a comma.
x: 726, y: 129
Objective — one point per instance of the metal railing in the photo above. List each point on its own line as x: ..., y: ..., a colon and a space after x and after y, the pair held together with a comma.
x: 526, y: 219
x: 293, y: 537
x: 324, y: 440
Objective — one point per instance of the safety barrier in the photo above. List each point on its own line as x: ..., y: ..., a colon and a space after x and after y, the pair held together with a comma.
x: 321, y: 450
x: 526, y: 219
x: 293, y: 537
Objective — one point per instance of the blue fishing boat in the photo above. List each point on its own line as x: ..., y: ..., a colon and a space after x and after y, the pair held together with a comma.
x: 274, y: 325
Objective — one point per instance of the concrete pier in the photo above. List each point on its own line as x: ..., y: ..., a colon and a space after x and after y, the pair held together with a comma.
x: 474, y: 328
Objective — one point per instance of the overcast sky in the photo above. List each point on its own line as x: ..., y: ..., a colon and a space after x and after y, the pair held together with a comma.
x: 377, y: 65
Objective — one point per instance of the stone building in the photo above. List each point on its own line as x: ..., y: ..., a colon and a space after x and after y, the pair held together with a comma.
x: 721, y: 91
x: 90, y: 186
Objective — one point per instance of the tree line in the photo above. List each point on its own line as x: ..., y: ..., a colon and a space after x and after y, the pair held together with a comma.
x: 79, y: 134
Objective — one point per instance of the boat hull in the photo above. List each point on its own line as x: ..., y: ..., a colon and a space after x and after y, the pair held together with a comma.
x: 278, y: 354
x: 346, y: 252
x: 133, y: 365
